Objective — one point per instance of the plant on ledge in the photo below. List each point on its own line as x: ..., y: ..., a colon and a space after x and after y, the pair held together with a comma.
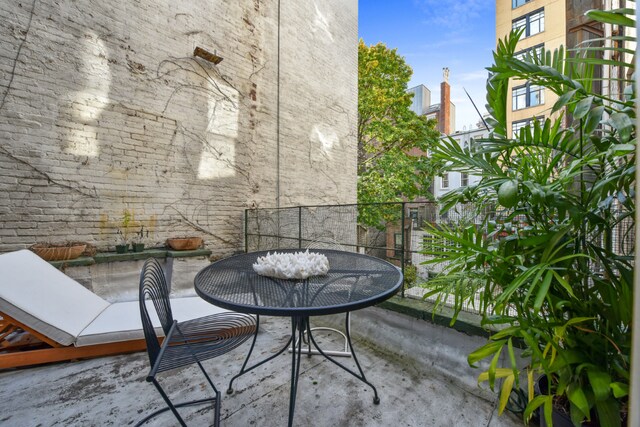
x: 123, y: 231
x: 553, y: 266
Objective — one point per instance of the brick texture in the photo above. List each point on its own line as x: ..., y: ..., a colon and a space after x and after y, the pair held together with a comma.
x: 103, y: 109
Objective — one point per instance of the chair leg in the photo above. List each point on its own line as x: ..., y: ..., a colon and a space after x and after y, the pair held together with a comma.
x: 173, y: 408
x: 169, y: 403
x: 216, y: 415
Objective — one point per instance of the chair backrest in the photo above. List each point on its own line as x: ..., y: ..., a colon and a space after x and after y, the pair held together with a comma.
x: 153, y: 286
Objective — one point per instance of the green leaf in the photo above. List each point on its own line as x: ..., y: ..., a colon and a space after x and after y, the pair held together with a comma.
x: 619, y: 389
x: 492, y: 368
x: 577, y: 417
x: 582, y: 107
x: 564, y: 283
x: 609, y: 413
x: 623, y: 124
x: 576, y: 395
x: 535, y: 403
x: 593, y: 119
x: 505, y: 392
x: 542, y: 291
x: 548, y: 411
x: 563, y: 100
x: 623, y: 149
x: 600, y: 383
x: 608, y: 17
x: 512, y: 359
x: 500, y: 373
x: 486, y: 350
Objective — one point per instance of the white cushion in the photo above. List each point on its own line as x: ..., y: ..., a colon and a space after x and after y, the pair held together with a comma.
x: 43, y: 298
x: 121, y: 321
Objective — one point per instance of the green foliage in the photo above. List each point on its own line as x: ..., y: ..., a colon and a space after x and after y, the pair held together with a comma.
x: 410, y: 276
x: 125, y: 224
x: 545, y: 267
x: 392, y: 139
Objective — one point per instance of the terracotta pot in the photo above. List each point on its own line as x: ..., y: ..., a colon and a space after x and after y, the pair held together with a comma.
x: 184, y: 244
x: 50, y: 252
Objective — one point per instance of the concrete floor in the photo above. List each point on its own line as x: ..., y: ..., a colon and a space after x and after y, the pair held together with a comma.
x: 419, y: 368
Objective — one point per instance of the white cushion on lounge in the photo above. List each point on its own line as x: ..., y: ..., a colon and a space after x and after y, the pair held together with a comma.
x: 43, y: 298
x: 121, y: 321
x: 46, y: 300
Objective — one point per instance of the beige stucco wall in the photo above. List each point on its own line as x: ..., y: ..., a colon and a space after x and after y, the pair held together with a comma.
x: 104, y: 109
x: 553, y: 36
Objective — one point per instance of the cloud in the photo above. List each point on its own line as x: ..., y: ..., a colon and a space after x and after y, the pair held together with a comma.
x: 452, y: 13
x: 447, y: 41
x: 471, y: 76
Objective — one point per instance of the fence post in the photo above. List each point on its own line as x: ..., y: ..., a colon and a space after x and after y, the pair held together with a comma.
x: 403, y: 248
x: 299, y: 227
x: 246, y: 230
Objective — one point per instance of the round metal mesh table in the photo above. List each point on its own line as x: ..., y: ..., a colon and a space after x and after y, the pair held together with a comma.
x: 354, y: 281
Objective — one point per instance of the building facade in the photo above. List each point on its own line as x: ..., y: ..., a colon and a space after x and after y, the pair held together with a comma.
x: 543, y: 23
x: 444, y: 112
x: 453, y: 180
x: 549, y: 24
x: 106, y: 111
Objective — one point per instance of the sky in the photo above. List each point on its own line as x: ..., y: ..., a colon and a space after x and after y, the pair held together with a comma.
x: 433, y: 34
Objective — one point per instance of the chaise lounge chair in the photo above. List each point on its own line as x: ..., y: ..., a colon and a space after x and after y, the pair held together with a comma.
x: 47, y: 317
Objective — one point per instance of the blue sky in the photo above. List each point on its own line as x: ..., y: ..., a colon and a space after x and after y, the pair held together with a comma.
x: 433, y: 34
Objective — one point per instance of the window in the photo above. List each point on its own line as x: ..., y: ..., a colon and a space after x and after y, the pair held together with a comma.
x: 516, y: 127
x: 518, y: 3
x: 464, y: 179
x: 413, y: 214
x: 397, y: 245
x: 445, y: 180
x: 430, y: 243
x: 535, y: 51
x: 527, y: 96
x: 533, y: 23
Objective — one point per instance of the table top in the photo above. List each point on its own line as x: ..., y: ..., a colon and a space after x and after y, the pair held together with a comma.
x: 354, y: 281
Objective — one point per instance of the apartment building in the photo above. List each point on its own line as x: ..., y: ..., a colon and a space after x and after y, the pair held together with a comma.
x: 449, y: 181
x: 444, y: 112
x: 546, y: 24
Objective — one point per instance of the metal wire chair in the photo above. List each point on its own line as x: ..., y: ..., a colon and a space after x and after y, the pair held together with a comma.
x: 185, y: 343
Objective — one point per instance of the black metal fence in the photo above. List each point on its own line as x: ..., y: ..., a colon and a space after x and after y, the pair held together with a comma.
x: 391, y: 231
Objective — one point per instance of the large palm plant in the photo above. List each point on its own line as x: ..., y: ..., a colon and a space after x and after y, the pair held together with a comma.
x: 549, y: 267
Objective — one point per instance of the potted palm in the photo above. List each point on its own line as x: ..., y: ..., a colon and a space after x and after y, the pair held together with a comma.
x: 551, y: 265
x: 138, y: 245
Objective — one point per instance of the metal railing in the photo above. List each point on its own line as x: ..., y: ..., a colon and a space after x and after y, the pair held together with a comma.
x: 391, y: 231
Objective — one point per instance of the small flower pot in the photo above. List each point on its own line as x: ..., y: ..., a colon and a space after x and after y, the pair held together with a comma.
x: 122, y: 249
x: 184, y: 244
x: 138, y: 247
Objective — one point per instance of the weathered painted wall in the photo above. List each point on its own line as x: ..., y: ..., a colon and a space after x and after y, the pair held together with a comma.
x: 103, y: 109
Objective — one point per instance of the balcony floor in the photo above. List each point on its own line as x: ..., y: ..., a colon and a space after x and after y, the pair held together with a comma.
x: 419, y: 369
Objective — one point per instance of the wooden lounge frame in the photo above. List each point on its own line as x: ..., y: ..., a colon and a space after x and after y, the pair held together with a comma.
x: 34, y: 348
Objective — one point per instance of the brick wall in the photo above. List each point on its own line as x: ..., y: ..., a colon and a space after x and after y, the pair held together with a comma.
x: 103, y: 109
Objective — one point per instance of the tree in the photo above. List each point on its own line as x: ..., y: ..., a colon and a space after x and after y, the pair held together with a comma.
x: 392, y: 139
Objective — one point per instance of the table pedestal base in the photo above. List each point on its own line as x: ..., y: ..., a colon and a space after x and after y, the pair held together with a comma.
x: 300, y: 326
